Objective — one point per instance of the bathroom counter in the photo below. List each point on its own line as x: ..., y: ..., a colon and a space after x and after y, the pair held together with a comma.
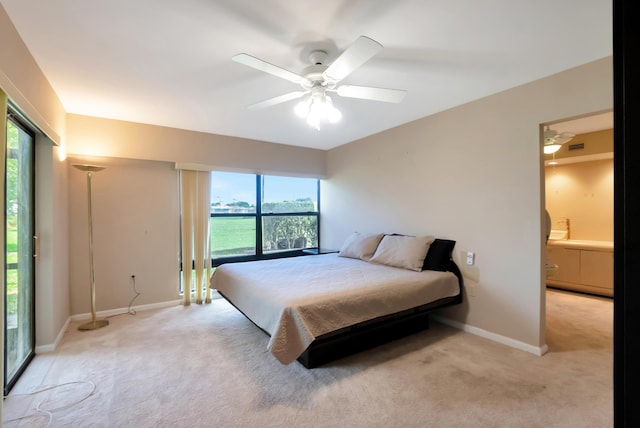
x: 582, y: 265
x: 581, y: 244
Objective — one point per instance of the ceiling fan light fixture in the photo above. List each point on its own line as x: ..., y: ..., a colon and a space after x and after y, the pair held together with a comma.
x: 333, y: 115
x: 317, y: 108
x: 302, y: 108
x: 551, y: 148
x: 317, y: 112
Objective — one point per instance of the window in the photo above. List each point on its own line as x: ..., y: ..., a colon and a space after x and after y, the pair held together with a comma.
x: 233, y: 214
x: 289, y: 213
x: 262, y: 216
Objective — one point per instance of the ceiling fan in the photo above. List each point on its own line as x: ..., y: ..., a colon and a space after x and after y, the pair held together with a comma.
x: 553, y: 139
x: 320, y: 78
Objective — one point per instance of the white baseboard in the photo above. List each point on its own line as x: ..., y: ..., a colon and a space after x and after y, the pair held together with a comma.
x: 536, y: 350
x: 42, y: 349
x: 112, y: 312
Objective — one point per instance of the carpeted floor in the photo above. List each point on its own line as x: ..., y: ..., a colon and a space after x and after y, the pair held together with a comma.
x: 207, y: 366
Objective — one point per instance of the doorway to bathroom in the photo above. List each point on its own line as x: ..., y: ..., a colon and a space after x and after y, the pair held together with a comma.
x: 579, y: 200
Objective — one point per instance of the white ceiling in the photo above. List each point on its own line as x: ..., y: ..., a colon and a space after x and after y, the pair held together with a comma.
x: 168, y: 62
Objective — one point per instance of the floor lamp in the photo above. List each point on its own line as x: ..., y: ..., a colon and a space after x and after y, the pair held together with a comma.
x: 93, y: 324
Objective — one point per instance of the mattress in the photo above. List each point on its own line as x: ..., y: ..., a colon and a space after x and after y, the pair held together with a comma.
x: 298, y: 299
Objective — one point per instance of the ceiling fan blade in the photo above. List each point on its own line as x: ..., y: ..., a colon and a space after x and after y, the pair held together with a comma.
x: 357, y: 54
x: 369, y: 93
x: 553, y: 137
x: 261, y: 65
x: 564, y: 137
x: 277, y: 100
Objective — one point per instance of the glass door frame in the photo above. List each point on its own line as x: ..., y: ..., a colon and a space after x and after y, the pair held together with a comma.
x: 14, y: 118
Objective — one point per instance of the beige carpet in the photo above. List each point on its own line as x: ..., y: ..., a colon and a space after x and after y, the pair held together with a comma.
x: 207, y: 366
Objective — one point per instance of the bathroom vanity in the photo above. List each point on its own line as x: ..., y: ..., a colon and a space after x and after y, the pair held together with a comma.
x: 585, y: 266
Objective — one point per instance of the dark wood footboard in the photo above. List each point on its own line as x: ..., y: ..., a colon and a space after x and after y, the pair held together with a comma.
x: 369, y: 334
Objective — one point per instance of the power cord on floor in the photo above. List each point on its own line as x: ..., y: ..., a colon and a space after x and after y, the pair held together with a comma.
x: 48, y: 413
x: 130, y: 310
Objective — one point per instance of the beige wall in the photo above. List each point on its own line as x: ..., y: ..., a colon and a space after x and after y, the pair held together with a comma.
x: 26, y: 86
x: 473, y: 174
x: 52, y: 227
x: 135, y: 232
x: 30, y: 91
x: 90, y: 136
x: 583, y: 193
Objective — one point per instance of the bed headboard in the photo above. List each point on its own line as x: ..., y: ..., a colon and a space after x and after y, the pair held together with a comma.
x: 438, y: 256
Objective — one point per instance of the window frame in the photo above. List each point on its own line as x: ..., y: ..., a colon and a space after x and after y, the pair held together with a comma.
x: 260, y: 255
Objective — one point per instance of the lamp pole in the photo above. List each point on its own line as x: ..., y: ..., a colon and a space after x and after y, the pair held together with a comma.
x: 94, y: 323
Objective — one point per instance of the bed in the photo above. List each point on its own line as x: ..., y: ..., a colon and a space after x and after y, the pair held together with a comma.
x: 318, y: 308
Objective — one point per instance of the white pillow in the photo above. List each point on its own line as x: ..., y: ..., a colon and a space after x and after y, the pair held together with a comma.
x: 360, y: 246
x: 407, y: 252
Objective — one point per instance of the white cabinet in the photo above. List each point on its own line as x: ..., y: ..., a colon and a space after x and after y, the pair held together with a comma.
x: 582, y: 266
x: 596, y: 269
x: 568, y: 261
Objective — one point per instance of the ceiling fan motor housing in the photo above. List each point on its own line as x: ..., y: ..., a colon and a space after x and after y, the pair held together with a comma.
x: 318, y: 57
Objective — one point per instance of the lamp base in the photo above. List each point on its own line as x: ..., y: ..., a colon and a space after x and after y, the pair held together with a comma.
x: 93, y: 325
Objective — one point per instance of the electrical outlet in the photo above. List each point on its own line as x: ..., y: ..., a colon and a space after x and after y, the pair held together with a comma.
x: 470, y: 258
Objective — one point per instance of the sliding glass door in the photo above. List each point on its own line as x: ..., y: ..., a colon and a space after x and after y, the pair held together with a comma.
x: 19, y: 260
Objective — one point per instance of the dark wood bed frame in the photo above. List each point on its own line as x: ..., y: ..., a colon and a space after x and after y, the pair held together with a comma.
x: 368, y: 334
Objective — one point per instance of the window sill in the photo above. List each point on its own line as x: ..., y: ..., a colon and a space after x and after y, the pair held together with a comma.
x: 277, y: 255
